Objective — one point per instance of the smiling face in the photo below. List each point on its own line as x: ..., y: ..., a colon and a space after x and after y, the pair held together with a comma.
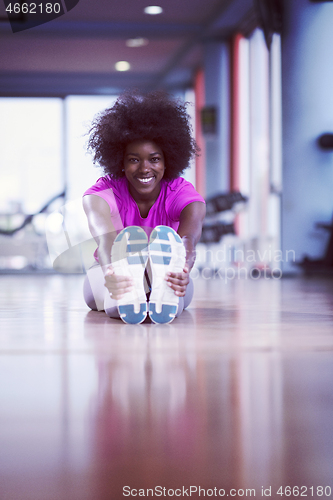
x: 144, y: 168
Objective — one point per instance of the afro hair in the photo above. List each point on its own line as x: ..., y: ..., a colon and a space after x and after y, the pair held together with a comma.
x: 154, y: 117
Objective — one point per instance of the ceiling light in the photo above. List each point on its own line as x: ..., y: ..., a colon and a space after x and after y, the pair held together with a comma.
x: 153, y: 10
x: 122, y: 66
x: 136, y: 42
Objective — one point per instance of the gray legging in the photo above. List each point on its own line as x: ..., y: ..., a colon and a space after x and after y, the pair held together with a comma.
x: 97, y: 297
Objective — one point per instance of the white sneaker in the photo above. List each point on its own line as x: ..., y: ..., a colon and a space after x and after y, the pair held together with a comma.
x: 167, y: 254
x: 129, y: 257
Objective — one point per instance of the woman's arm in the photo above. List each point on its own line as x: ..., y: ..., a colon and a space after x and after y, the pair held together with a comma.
x: 190, y: 227
x: 104, y: 233
x: 100, y: 225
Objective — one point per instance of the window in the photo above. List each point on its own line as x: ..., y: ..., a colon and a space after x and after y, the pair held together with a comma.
x: 42, y: 152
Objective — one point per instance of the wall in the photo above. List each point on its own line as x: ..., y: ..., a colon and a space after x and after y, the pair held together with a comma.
x: 307, y: 93
x: 217, y: 74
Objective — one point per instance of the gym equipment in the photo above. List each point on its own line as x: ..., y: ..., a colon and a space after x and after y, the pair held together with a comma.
x: 213, y: 230
x: 324, y: 265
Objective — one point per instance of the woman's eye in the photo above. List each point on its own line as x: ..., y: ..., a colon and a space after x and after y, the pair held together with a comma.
x: 155, y: 159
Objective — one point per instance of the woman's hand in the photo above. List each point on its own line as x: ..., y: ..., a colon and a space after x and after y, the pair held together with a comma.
x: 117, y: 285
x: 179, y: 281
x: 189, y: 229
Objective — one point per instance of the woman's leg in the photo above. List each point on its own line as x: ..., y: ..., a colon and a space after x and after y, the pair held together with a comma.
x: 110, y: 306
x: 96, y: 295
x: 98, y: 299
x: 185, y: 301
x: 88, y: 295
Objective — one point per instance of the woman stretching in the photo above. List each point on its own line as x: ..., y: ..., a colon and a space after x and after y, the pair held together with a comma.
x: 145, y: 218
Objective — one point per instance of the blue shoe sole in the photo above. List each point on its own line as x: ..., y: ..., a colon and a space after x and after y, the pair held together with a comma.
x: 167, y: 314
x: 129, y: 257
x: 166, y: 253
x: 128, y: 315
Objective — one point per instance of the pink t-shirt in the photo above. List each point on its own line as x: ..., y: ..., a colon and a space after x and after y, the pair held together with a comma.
x: 174, y: 196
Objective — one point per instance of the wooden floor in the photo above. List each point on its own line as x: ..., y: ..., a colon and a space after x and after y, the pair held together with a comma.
x: 236, y: 394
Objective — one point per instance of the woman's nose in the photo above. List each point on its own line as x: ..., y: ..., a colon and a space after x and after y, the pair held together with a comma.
x: 145, y: 165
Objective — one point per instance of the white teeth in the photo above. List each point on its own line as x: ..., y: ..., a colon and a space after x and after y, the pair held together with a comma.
x: 145, y: 180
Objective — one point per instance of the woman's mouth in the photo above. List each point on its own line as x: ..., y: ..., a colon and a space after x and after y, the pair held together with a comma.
x: 145, y: 180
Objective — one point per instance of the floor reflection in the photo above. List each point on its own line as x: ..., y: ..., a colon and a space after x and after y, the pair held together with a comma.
x: 236, y: 393
x: 168, y: 413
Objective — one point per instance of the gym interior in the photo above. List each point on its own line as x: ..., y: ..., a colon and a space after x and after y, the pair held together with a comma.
x: 235, y: 396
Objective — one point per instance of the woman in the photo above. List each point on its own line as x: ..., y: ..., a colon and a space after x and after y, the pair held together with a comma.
x: 143, y: 143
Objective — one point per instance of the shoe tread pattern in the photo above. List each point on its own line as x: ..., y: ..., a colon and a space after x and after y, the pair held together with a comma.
x: 129, y: 257
x: 166, y: 253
